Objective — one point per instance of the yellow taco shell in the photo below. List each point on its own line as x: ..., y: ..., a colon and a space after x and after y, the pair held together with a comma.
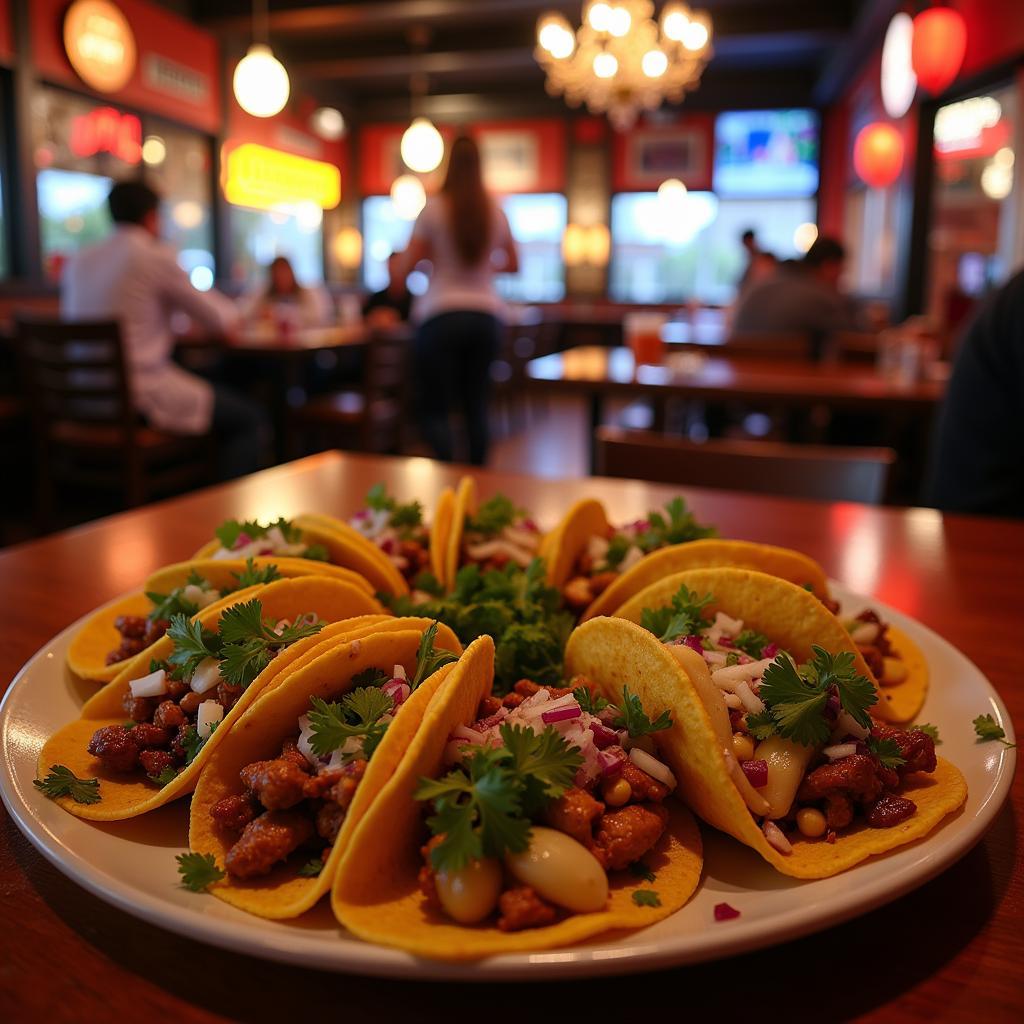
x: 125, y: 796
x: 569, y: 539
x: 614, y: 653
x: 903, y: 701
x: 465, y: 505
x: 440, y: 527
x: 258, y: 735
x: 375, y: 893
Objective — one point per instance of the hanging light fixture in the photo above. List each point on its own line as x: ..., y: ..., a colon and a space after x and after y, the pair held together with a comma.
x: 327, y: 123
x: 621, y: 60
x: 260, y: 81
x: 422, y: 146
x: 878, y: 154
x: 938, y: 47
x: 408, y: 196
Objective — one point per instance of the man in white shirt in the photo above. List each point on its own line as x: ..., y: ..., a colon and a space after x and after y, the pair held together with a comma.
x: 134, y: 278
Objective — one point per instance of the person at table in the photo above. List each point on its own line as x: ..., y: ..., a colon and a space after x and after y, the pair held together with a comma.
x: 393, y: 303
x: 287, y: 304
x: 802, y: 297
x: 466, y: 237
x: 977, y: 463
x: 752, y: 250
x: 134, y: 278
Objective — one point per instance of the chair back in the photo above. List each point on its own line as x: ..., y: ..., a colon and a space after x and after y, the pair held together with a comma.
x: 386, y: 369
x: 76, y: 379
x: 765, y: 467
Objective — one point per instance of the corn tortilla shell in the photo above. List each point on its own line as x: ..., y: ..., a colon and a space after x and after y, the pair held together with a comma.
x: 903, y: 702
x: 375, y: 892
x: 709, y: 554
x: 127, y: 795
x: 614, y: 653
x: 569, y: 539
x: 466, y: 501
x: 440, y: 528
x: 258, y: 735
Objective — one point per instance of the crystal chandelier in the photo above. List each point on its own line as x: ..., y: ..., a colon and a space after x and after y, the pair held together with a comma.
x: 620, y: 60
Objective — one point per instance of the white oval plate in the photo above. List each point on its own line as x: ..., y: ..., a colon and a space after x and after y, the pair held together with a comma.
x: 131, y: 864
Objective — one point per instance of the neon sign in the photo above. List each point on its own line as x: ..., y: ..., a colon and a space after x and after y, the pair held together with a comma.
x: 106, y: 130
x: 100, y: 45
x: 268, y: 179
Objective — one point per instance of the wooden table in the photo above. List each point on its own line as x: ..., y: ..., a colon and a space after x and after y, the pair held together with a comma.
x: 602, y: 373
x: 951, y: 951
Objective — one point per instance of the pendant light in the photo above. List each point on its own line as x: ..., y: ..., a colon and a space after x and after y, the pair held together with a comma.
x: 422, y: 146
x: 260, y: 81
x: 938, y: 48
x: 878, y: 154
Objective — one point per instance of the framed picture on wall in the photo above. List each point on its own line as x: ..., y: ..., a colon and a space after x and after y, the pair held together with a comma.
x: 647, y: 155
x: 511, y: 160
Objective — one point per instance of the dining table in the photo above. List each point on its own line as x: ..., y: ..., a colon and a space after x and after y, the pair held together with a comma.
x: 600, y: 374
x: 949, y: 950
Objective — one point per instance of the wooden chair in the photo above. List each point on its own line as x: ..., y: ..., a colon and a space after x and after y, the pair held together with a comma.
x: 85, y: 427
x: 769, y: 345
x: 370, y: 418
x: 764, y: 467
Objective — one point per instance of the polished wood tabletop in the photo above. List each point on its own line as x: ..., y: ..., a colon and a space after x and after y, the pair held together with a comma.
x: 277, y: 340
x: 950, y: 951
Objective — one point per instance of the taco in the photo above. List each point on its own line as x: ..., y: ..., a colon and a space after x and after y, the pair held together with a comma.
x: 127, y: 627
x: 773, y: 739
x: 280, y: 797
x: 490, y: 535
x: 585, y: 554
x: 545, y: 831
x: 400, y: 532
x: 313, y: 536
x: 145, y: 736
x: 896, y: 662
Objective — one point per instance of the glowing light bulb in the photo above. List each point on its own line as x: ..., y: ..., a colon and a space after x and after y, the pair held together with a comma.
x: 154, y: 151
x: 599, y: 17
x: 408, y: 196
x: 605, y: 65
x: 696, y: 36
x: 654, y: 63
x: 260, y: 82
x: 328, y: 123
x: 804, y: 236
x: 619, y: 21
x: 674, y: 21
x: 422, y: 146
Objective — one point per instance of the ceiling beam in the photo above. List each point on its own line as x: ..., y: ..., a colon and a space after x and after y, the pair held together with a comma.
x: 853, y: 51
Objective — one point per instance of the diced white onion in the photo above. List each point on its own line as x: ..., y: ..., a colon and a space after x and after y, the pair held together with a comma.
x: 152, y: 685
x: 840, y: 750
x: 281, y: 626
x: 490, y: 548
x: 467, y: 735
x: 275, y: 537
x: 752, y: 703
x: 727, y: 678
x: 206, y: 676
x: 655, y: 768
x: 727, y: 626
x: 864, y: 633
x: 847, y: 725
x: 398, y: 672
x: 597, y: 548
x: 732, y: 700
x: 528, y: 540
x: 291, y: 550
x: 209, y: 714
x: 776, y: 837
x: 633, y: 555
x: 716, y: 658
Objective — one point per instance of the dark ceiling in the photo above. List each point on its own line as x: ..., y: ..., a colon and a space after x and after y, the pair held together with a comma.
x: 474, y: 58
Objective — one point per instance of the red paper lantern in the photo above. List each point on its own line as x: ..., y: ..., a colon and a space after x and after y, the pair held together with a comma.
x: 938, y: 47
x: 878, y: 154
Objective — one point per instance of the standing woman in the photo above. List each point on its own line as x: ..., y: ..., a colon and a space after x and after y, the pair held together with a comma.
x: 465, y: 236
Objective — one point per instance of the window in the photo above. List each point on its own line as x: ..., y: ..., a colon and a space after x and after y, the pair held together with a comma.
x: 537, y: 222
x: 257, y: 236
x: 690, y: 249
x: 72, y: 213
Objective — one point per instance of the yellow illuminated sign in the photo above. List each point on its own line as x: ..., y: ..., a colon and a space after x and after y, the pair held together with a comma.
x: 99, y: 43
x: 268, y: 179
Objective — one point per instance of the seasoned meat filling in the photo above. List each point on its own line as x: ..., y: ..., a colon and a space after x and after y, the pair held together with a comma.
x: 137, y: 633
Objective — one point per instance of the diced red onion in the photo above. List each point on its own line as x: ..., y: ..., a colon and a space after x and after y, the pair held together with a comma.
x: 153, y: 685
x: 840, y: 750
x: 776, y: 837
x: 603, y: 736
x: 723, y: 912
x: 490, y: 722
x: 281, y: 626
x: 561, y: 715
x: 770, y: 651
x: 241, y: 541
x: 693, y: 642
x: 655, y: 768
x: 756, y: 772
x: 725, y: 641
x: 398, y: 690
x: 754, y: 705
x: 565, y: 701
x: 608, y: 762
x: 398, y: 672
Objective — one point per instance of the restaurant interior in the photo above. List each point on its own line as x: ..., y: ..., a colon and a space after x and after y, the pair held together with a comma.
x: 756, y: 263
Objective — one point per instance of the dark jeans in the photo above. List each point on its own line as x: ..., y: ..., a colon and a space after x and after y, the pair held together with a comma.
x: 242, y: 431
x: 454, y: 352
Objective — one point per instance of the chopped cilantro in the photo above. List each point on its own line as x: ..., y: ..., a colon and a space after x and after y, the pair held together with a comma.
x: 732, y: 658
x: 797, y: 700
x: 428, y: 658
x: 198, y: 871
x: 929, y: 730
x: 312, y: 868
x: 253, y: 574
x: 682, y: 617
x: 618, y: 548
x: 358, y: 714
x: 646, y: 898
x: 751, y: 642
x: 638, y: 869
x: 493, y: 516
x: 62, y: 781
x: 634, y: 720
x: 377, y: 498
x: 761, y: 725
x: 987, y: 728
x: 428, y: 583
x: 370, y: 677
x: 316, y: 553
x: 165, y: 606
x: 165, y: 777
x: 887, y: 752
x: 678, y: 528
x: 192, y: 643
x: 191, y: 743
x: 592, y: 703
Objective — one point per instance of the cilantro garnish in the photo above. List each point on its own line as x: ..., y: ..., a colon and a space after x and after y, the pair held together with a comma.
x: 198, y: 871
x: 646, y: 898
x: 592, y: 703
x: 634, y: 720
x: 311, y: 869
x: 987, y: 728
x: 428, y: 658
x: 253, y: 574
x: 429, y: 584
x: 370, y: 677
x: 62, y: 781
x: 191, y: 743
x: 929, y: 730
x: 751, y: 642
x: 493, y: 516
x: 192, y: 643
x: 618, y: 548
x: 316, y: 553
x: 248, y: 642
x: 679, y: 527
x: 796, y: 700
x: 167, y: 776
x: 732, y: 658
x: 482, y: 808
x: 682, y: 617
x: 403, y: 518
x: 357, y: 714
x: 761, y: 725
x: 638, y: 869
x: 887, y: 752
x: 165, y: 606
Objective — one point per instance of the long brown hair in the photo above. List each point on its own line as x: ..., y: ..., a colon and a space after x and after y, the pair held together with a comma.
x: 469, y: 206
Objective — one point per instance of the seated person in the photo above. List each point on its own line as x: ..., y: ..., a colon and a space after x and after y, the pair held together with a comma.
x: 391, y: 305
x: 285, y: 302
x: 134, y: 278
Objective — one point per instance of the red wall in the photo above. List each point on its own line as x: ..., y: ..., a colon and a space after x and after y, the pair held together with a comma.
x: 156, y: 32
x: 6, y: 48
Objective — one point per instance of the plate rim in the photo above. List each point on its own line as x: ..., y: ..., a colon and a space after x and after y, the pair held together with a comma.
x: 630, y: 954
